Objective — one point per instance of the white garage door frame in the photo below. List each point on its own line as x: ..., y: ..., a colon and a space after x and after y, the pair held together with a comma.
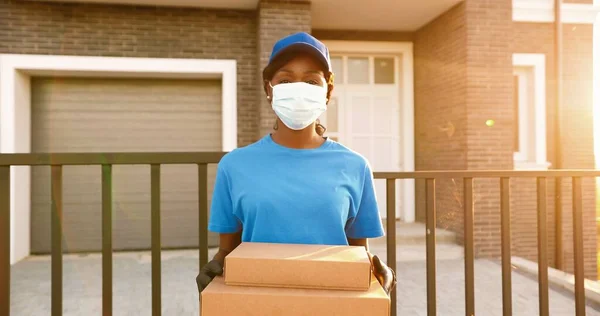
x: 15, y: 110
x: 407, y: 106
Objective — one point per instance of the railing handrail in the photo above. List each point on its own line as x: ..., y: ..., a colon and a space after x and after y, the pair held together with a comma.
x: 552, y: 173
x: 149, y: 158
x: 111, y: 158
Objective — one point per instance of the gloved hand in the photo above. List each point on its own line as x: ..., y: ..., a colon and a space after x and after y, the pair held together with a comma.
x: 208, y: 273
x: 384, y: 274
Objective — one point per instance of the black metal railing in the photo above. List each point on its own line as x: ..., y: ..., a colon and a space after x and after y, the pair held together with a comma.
x: 202, y: 160
x: 106, y: 162
x: 468, y: 204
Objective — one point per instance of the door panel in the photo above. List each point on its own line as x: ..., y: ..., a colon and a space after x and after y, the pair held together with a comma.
x: 373, y: 131
x: 366, y: 103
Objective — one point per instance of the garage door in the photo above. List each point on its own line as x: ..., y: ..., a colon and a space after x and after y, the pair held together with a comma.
x: 122, y: 115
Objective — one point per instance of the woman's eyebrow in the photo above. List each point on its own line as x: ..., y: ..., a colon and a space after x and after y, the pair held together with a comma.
x: 285, y: 70
x: 318, y: 72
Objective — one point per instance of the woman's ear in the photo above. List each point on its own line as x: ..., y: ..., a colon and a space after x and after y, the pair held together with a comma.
x: 330, y: 78
x: 329, y: 91
x: 268, y: 89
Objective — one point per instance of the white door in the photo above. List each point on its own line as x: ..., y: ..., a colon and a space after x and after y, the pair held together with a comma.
x: 364, y: 114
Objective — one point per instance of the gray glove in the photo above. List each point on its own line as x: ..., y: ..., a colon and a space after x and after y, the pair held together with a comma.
x: 208, y: 273
x: 384, y: 274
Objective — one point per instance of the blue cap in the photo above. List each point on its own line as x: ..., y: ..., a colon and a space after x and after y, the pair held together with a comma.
x: 303, y: 42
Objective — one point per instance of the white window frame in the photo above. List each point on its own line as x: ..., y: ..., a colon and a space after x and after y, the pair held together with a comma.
x: 15, y: 110
x: 536, y: 63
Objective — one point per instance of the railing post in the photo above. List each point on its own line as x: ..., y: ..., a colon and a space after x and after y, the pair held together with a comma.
x: 578, y: 247
x: 506, y: 253
x: 107, y: 266
x: 203, y: 214
x: 469, y: 257
x: 558, y: 140
x: 56, y: 239
x: 391, y: 234
x: 558, y: 224
x: 542, y: 247
x: 430, y: 233
x: 155, y: 231
x: 4, y: 240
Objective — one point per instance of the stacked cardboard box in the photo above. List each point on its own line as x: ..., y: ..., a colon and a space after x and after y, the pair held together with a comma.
x: 263, y: 279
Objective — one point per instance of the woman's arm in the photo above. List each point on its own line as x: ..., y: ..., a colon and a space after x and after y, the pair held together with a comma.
x: 227, y: 243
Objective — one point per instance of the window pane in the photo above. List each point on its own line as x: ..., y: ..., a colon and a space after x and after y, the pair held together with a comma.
x: 384, y: 70
x: 338, y: 69
x: 332, y: 115
x: 358, y: 70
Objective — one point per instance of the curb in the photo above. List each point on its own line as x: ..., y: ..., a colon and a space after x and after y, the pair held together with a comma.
x: 559, y: 278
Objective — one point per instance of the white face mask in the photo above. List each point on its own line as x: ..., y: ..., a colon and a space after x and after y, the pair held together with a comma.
x: 299, y: 104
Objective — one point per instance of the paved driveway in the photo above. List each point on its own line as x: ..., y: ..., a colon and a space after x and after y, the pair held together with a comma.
x: 30, y: 292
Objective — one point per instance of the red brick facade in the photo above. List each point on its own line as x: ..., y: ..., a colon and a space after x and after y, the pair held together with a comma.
x: 489, y: 60
x: 456, y: 57
x: 440, y: 113
x: 577, y: 141
x: 577, y: 137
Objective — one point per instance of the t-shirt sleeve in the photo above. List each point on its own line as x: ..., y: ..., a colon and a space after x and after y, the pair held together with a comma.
x: 222, y: 220
x: 367, y: 221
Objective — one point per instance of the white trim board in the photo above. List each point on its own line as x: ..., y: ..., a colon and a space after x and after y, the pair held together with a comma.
x: 542, y: 11
x: 407, y: 104
x: 537, y: 62
x: 15, y: 110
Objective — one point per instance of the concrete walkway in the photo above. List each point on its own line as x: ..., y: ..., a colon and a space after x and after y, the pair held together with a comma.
x: 30, y: 285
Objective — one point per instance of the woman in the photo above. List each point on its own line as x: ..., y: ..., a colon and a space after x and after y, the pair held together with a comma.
x: 295, y: 185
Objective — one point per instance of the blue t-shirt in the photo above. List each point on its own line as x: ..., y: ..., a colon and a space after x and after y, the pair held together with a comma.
x: 277, y: 194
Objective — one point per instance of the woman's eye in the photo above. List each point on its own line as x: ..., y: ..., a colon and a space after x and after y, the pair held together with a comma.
x: 284, y: 81
x: 312, y: 82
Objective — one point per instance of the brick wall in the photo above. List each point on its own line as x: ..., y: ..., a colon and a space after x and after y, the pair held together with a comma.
x: 534, y: 38
x: 440, y: 96
x: 577, y: 137
x: 489, y: 91
x: 577, y: 143
x: 469, y: 83
x: 276, y: 19
x: 127, y: 31
x: 457, y: 57
x: 453, y: 84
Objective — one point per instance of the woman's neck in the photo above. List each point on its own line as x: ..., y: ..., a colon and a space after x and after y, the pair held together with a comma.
x: 302, y: 139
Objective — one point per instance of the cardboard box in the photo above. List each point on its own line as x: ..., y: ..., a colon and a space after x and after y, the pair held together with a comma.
x: 219, y: 299
x: 299, y: 266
